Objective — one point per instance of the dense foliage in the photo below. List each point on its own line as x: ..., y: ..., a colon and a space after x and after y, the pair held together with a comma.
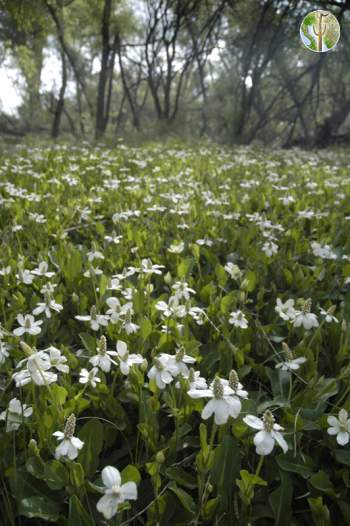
x: 143, y: 290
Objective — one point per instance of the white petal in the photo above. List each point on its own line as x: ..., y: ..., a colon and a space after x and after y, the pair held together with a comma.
x: 264, y: 443
x: 124, y: 368
x: 208, y: 410
x: 122, y: 348
x: 343, y: 438
x: 221, y: 411
x: 234, y: 406
x: 280, y: 440
x: 253, y: 421
x: 333, y: 421
x: 111, y: 476
x: 108, y: 506
x: 128, y: 491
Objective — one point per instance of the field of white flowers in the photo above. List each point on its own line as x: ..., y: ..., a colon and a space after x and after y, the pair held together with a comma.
x: 175, y: 337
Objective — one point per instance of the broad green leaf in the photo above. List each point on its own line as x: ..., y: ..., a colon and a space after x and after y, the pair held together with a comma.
x: 56, y: 475
x: 320, y: 512
x: 131, y: 474
x: 181, y: 477
x: 281, y: 500
x: 92, y: 436
x: 301, y: 465
x: 185, y: 499
x: 39, y: 508
x: 78, y: 514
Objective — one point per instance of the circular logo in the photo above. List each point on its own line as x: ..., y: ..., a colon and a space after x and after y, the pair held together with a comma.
x: 320, y: 31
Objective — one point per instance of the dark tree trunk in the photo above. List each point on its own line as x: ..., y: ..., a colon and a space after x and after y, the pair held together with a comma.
x: 60, y: 103
x: 101, y: 120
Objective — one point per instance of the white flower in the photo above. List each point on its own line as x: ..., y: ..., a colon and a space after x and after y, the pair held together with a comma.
x: 92, y: 272
x: 162, y: 371
x: 42, y: 270
x: 182, y: 290
x: 95, y: 255
x: 238, y: 319
x: 25, y: 276
x: 291, y: 365
x: 126, y: 360
x: 70, y: 445
x: 235, y: 384
x: 103, y: 358
x: 268, y: 435
x: 176, y: 248
x: 89, y: 377
x: 115, y: 492
x: 115, y: 311
x: 270, y: 248
x: 114, y: 284
x: 47, y: 307
x: 148, y: 268
x: 323, y: 251
x: 195, y: 381
x: 203, y: 242
x: 28, y: 325
x: 178, y: 362
x: 285, y: 310
x: 328, y: 315
x: 15, y: 414
x: 340, y: 426
x: 233, y: 270
x: 130, y: 327
x: 3, y: 352
x: 37, y: 369
x: 113, y: 238
x: 172, y: 308
x: 96, y: 320
x: 5, y: 271
x: 305, y: 319
x: 58, y: 361
x: 223, y: 401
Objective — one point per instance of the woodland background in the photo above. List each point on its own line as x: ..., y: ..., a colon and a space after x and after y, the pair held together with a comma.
x: 233, y: 71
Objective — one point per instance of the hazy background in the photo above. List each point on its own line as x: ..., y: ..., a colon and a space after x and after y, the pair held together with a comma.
x: 233, y: 71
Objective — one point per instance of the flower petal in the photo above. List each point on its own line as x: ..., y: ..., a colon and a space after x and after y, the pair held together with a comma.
x: 111, y: 477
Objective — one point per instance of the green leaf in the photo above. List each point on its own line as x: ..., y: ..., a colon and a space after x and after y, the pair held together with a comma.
x: 321, y: 482
x: 73, y: 265
x: 145, y: 328
x: 185, y: 499
x: 92, y: 436
x: 320, y: 512
x: 36, y: 467
x: 131, y: 474
x: 251, y: 280
x: 103, y: 285
x: 60, y: 393
x: 77, y: 475
x: 181, y: 476
x: 78, y: 516
x: 56, y: 475
x: 342, y: 456
x: 210, y: 509
x: 88, y: 341
x: 39, y: 508
x: 226, y: 467
x: 281, y: 500
x: 301, y: 465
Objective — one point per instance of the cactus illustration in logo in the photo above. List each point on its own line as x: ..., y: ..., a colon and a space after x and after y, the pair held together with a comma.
x: 320, y: 31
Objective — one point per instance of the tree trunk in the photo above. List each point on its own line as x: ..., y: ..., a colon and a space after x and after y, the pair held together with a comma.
x: 103, y: 76
x: 60, y: 103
